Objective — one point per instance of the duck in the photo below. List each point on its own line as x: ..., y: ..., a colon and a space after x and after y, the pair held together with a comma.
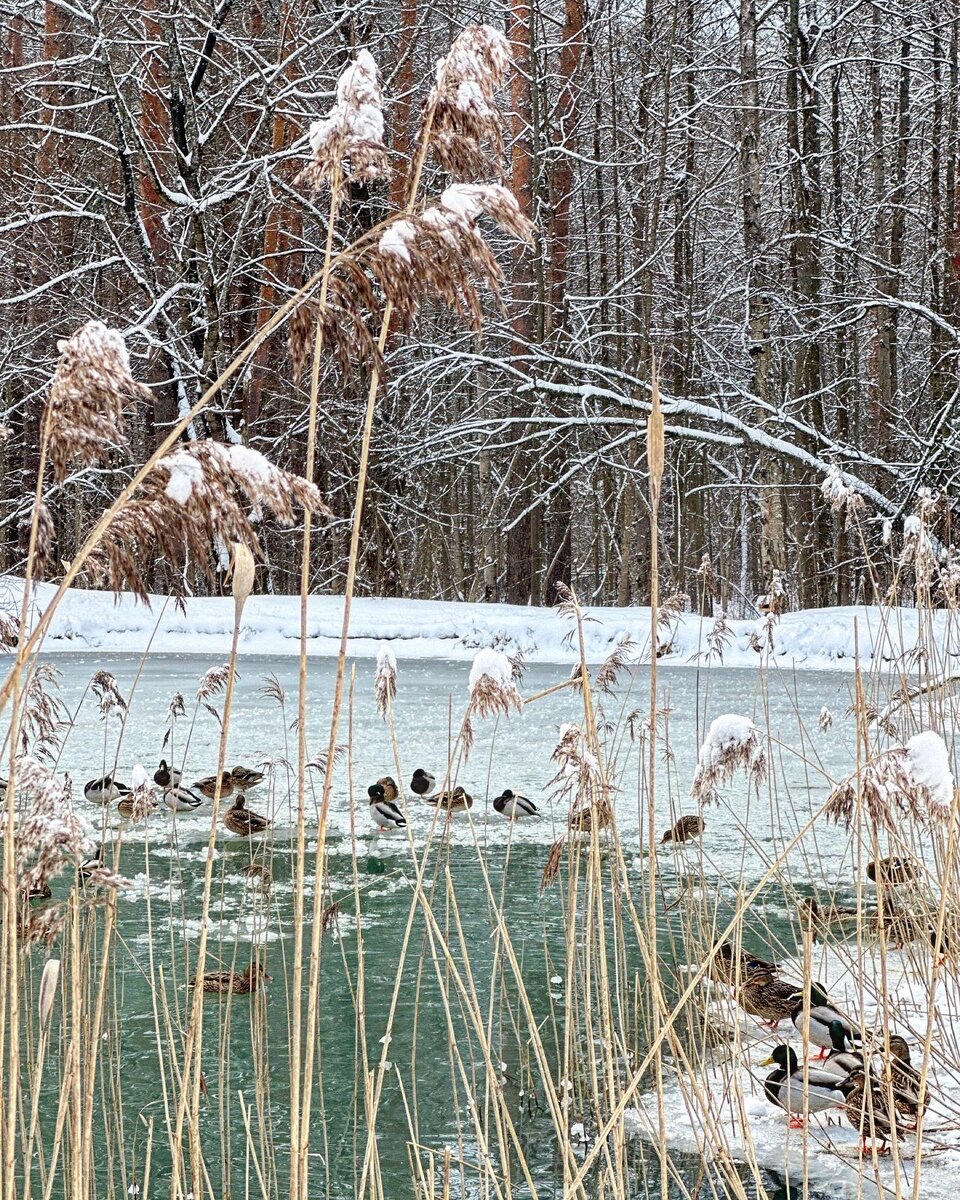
x: 208, y: 785
x: 3, y: 790
x: 242, y: 821
x: 843, y: 1058
x: 104, y: 791
x: 787, y: 1088
x: 868, y: 1111
x: 889, y: 872
x: 42, y: 891
x: 582, y: 821
x: 238, y: 982
x: 821, y: 916
x: 762, y: 994
x: 905, y: 1077
x: 458, y: 800
x: 940, y: 944
x: 181, y: 799
x: 391, y: 793
x: 386, y: 814
x: 687, y: 829
x: 822, y: 1016
x: 87, y: 869
x: 729, y: 965
x: 422, y: 783
x: 259, y: 876
x: 246, y: 778
x: 127, y: 807
x: 166, y: 776
x: 510, y: 805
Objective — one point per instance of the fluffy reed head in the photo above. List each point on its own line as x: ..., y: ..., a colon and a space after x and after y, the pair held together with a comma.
x: 732, y: 742
x: 92, y: 386
x: 385, y: 683
x: 196, y: 497
x: 908, y: 781
x: 842, y: 498
x: 493, y: 690
x: 348, y: 142
x: 466, y: 126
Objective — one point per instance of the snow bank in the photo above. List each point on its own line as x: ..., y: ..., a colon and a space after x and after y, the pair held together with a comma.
x: 820, y: 638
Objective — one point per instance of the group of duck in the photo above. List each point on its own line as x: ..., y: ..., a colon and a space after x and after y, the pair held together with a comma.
x: 866, y: 1073
x: 179, y: 797
x: 386, y: 812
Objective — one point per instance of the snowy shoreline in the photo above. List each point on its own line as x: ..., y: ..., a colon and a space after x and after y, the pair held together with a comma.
x: 89, y: 621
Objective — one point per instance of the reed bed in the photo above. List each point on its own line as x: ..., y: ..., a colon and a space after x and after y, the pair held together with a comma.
x: 460, y: 1008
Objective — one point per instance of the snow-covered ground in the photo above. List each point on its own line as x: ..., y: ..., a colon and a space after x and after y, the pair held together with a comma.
x: 745, y: 1127
x: 830, y: 637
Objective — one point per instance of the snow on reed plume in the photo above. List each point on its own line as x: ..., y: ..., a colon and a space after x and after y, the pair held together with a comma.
x: 385, y: 683
x: 491, y: 684
x: 348, y: 142
x: 466, y: 134
x: 91, y: 387
x: 915, y: 781
x: 105, y: 688
x: 732, y: 742
x: 193, y: 498
x: 842, y: 498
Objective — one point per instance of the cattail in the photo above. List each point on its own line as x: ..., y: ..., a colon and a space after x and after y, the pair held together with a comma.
x: 466, y: 129
x: 348, y: 142
x: 91, y: 388
x: 492, y: 687
x: 48, y: 988
x: 732, y: 742
x: 385, y: 683
x: 242, y: 568
x: 191, y: 500
x: 655, y: 441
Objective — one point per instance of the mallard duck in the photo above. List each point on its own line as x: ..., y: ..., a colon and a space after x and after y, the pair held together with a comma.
x: 181, y: 799
x: 730, y: 965
x: 391, y: 793
x: 821, y: 916
x: 41, y: 892
x: 762, y: 994
x: 3, y: 790
x: 905, y: 1077
x: 889, y: 872
x: 243, y: 821
x: 509, y: 804
x: 422, y: 783
x: 128, y: 806
x: 822, y: 1015
x: 244, y: 777
x: 897, y: 926
x: 940, y: 944
x: 456, y: 801
x: 87, y: 869
x: 238, y: 982
x: 583, y: 819
x: 259, y: 876
x: 104, y: 791
x: 787, y: 1088
x: 208, y: 785
x: 867, y: 1109
x: 386, y: 814
x: 166, y: 776
x: 843, y: 1058
x: 687, y: 829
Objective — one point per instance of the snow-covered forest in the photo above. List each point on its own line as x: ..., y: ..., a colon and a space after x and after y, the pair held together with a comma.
x: 758, y: 198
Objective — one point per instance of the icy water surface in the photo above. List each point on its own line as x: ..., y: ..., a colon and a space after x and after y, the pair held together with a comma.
x: 158, y: 920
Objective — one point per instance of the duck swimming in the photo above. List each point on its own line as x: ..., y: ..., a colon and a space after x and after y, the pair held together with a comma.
x: 385, y: 813
x: 510, y: 805
x: 238, y: 982
x: 787, y: 1088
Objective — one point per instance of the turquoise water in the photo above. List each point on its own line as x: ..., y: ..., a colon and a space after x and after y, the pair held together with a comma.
x: 248, y: 1037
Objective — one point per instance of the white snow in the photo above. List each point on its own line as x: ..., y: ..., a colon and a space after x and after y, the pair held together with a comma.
x: 397, y: 239
x: 727, y: 732
x: 494, y: 665
x: 819, y: 638
x: 929, y: 765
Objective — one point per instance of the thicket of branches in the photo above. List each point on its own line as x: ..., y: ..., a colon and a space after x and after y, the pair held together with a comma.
x: 761, y: 199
